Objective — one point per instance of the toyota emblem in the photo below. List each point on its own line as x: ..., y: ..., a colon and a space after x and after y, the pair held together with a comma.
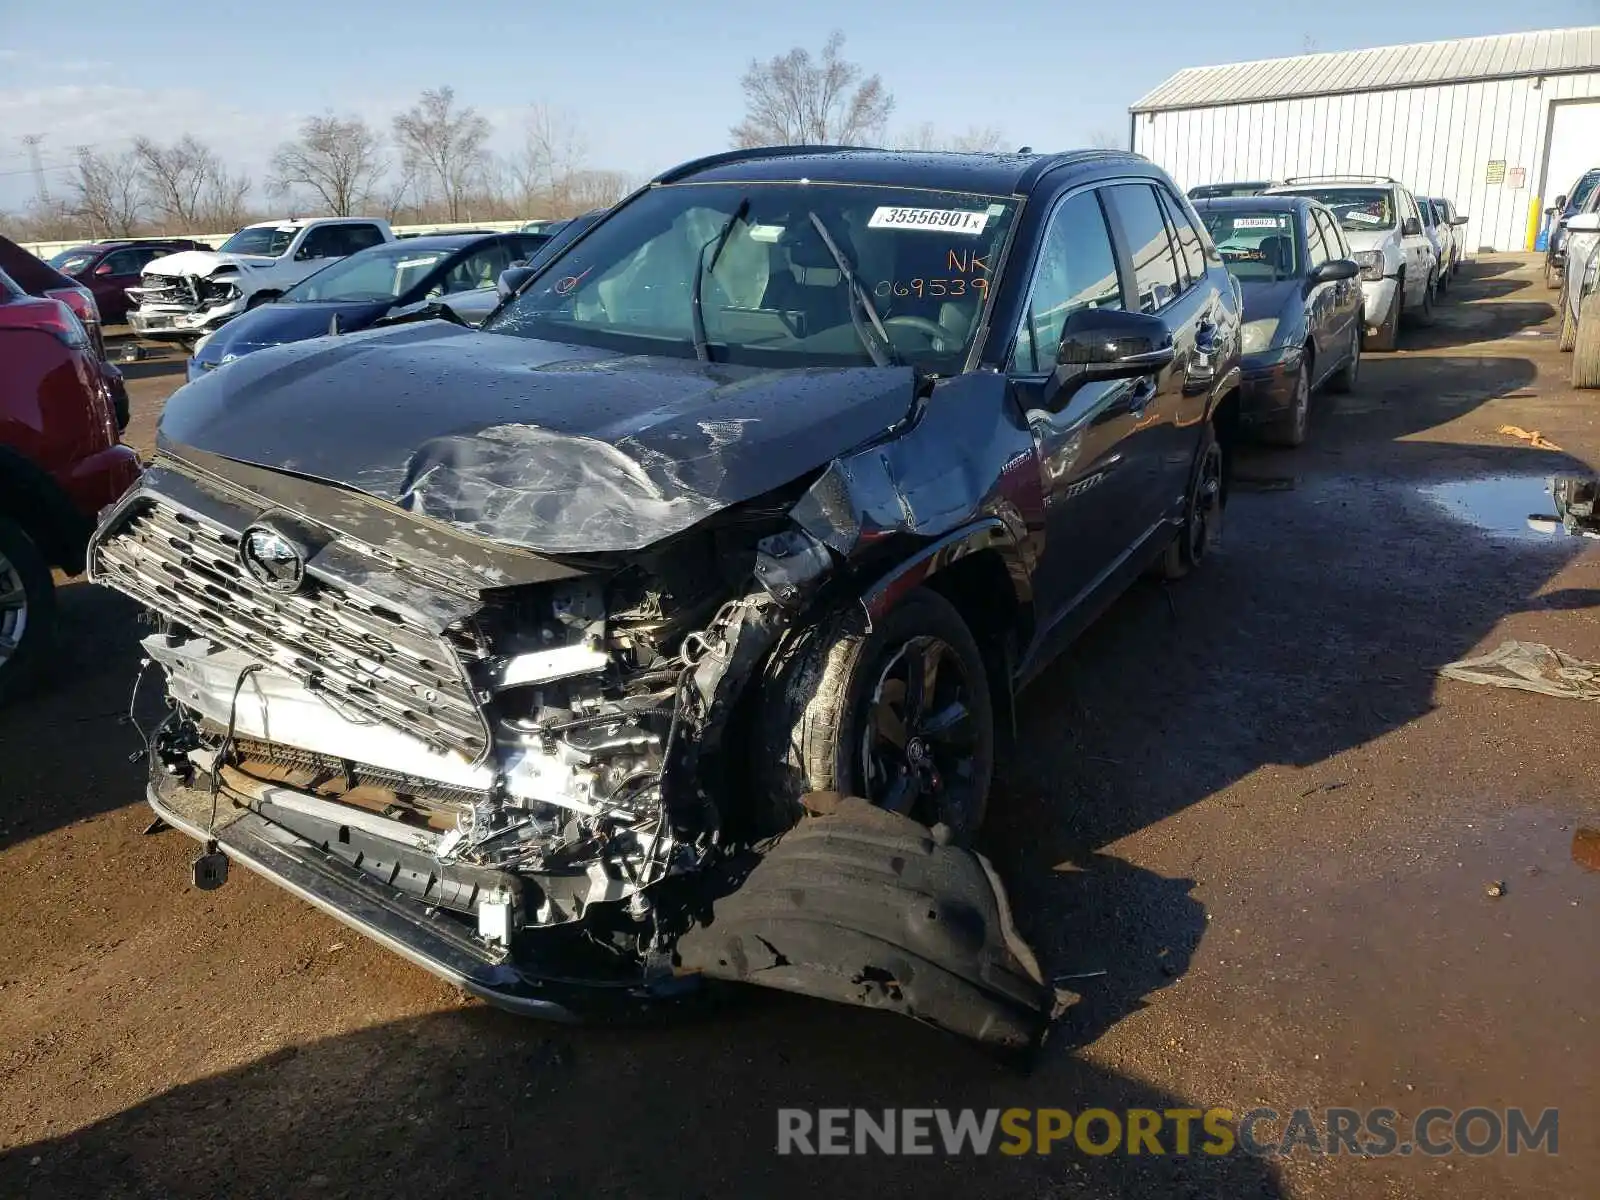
x: 272, y: 560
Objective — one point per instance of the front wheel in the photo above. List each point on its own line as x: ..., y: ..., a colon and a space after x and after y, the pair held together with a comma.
x: 1552, y: 277
x: 899, y: 714
x: 1292, y: 428
x: 1586, y: 344
x: 1387, y: 335
x: 1345, y: 379
x: 1424, y: 313
x: 27, y: 609
x: 1568, y: 336
x: 1202, y: 510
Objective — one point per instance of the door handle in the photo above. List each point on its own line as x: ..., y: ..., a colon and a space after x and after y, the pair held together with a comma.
x: 1143, y: 392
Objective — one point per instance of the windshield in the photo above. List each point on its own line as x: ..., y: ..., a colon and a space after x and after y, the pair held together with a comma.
x: 1581, y: 191
x: 1255, y: 246
x: 259, y: 239
x: 382, y: 273
x: 771, y: 290
x: 70, y: 262
x: 1359, y: 209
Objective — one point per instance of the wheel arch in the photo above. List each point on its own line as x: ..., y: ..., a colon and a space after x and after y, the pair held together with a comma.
x: 983, y: 572
x: 35, y: 501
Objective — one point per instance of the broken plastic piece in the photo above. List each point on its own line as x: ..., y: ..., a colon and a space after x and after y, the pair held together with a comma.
x: 1530, y: 667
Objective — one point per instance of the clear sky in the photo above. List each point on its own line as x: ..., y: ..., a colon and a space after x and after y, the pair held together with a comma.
x: 651, y: 83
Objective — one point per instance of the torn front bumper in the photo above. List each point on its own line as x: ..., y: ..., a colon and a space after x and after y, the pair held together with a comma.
x: 412, y: 928
x: 179, y: 324
x: 858, y: 906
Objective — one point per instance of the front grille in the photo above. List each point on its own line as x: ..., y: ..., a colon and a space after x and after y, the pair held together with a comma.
x: 359, y: 774
x: 165, y: 289
x: 370, y: 661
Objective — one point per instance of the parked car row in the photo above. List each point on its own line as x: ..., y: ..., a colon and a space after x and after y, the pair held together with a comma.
x: 1579, y: 303
x: 546, y: 650
x: 62, y: 408
x: 1407, y: 247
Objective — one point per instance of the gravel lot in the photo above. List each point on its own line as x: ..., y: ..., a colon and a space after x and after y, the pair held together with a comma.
x: 1248, y: 800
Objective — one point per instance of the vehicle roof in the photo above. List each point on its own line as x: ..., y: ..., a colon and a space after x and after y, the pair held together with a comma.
x: 983, y: 174
x: 1267, y: 200
x: 306, y: 222
x: 1378, y: 182
x: 448, y: 241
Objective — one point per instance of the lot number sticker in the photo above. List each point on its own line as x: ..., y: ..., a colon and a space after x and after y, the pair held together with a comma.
x: 1255, y: 223
x: 941, y: 220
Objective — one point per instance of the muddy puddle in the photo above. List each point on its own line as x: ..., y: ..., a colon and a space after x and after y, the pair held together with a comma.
x: 1517, y: 508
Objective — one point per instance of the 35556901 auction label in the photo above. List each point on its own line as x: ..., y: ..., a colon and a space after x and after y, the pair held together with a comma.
x: 942, y: 220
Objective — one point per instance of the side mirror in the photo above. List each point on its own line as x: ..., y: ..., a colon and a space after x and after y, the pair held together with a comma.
x: 1459, y: 219
x: 1412, y: 227
x: 1333, y: 270
x: 1586, y: 222
x: 1108, y: 343
x: 1561, y: 202
x: 511, y: 279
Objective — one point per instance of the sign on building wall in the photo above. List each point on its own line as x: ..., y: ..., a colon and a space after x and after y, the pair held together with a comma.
x: 1496, y: 172
x: 1517, y: 178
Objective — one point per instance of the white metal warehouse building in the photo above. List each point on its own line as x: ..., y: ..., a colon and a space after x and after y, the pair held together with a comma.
x: 1499, y: 125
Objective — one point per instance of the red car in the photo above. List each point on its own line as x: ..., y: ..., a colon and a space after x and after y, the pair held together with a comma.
x: 108, y: 268
x: 61, y: 462
x: 38, y: 278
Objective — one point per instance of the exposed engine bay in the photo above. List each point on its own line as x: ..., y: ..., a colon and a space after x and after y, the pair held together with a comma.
x: 486, y: 694
x: 186, y: 293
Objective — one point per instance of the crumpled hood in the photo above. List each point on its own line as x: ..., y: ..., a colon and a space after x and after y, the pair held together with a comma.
x: 203, y: 262
x: 550, y: 447
x: 276, y: 324
x: 1263, y: 299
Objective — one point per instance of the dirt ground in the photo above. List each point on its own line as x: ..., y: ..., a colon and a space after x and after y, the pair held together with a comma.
x: 1248, y: 800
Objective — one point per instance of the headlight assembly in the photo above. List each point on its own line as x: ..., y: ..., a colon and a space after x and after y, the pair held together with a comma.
x: 1258, y: 334
x: 1371, y: 263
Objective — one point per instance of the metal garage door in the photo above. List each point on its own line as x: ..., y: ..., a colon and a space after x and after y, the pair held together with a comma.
x: 1574, y: 145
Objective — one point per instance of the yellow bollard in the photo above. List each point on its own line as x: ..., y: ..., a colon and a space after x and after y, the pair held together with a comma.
x: 1534, y: 213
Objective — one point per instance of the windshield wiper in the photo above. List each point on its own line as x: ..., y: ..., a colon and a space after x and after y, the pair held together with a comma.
x: 882, y: 352
x: 702, y: 350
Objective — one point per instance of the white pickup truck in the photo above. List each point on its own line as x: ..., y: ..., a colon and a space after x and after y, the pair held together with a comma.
x: 184, y: 296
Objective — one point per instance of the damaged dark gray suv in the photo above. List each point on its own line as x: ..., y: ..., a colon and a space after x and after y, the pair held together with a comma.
x: 664, y: 628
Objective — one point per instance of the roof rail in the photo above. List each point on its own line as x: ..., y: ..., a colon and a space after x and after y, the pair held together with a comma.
x: 695, y: 166
x: 1340, y: 179
x: 1045, y: 163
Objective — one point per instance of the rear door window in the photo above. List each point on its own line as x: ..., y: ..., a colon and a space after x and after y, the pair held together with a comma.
x: 1076, y: 269
x: 1317, y: 249
x: 1155, y: 264
x: 1190, y: 255
x: 125, y: 262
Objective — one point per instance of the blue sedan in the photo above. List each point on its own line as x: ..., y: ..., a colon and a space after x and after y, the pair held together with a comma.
x: 387, y: 280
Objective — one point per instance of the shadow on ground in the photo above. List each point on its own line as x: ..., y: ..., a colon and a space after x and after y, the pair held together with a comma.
x: 479, y: 1104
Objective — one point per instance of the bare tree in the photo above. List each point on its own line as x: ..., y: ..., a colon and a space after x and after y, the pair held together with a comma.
x: 928, y: 136
x: 224, y: 205
x: 552, y: 153
x: 593, y: 189
x: 795, y: 98
x: 444, y: 143
x: 1105, y: 139
x: 108, y: 195
x: 340, y: 160
x: 177, y: 177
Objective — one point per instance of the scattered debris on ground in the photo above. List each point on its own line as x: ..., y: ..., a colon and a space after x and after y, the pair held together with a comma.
x: 1530, y: 667
x: 1533, y: 437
